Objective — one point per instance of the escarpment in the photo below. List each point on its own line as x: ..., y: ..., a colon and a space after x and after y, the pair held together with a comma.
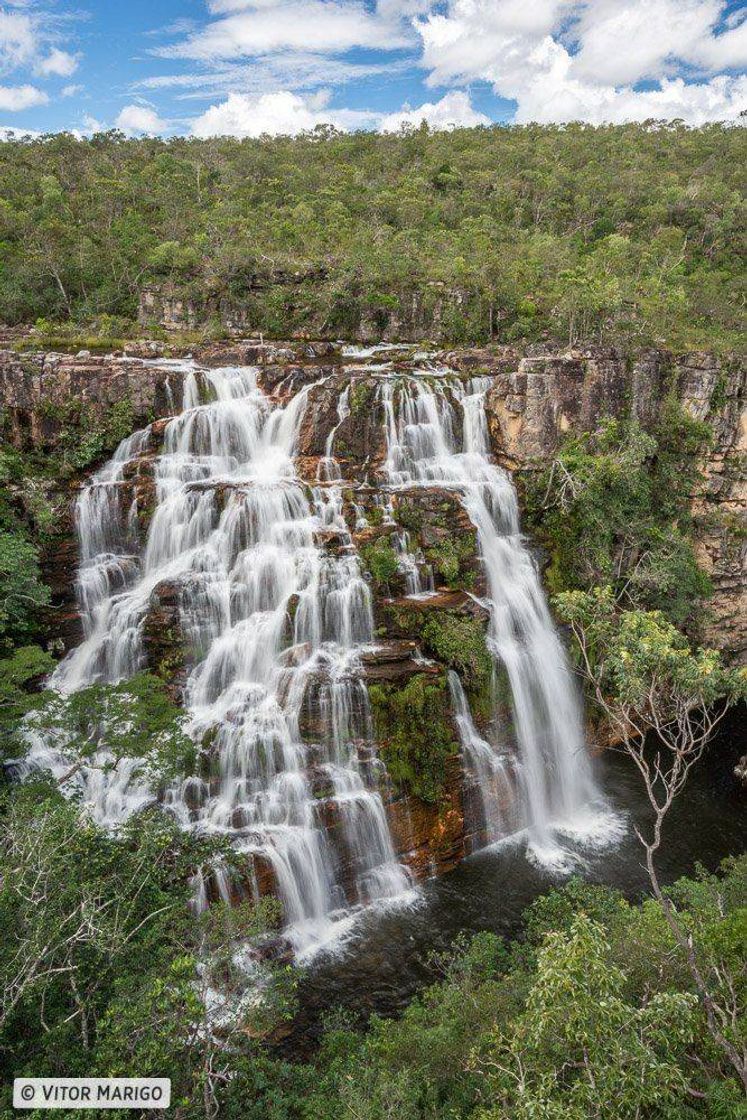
x: 318, y: 551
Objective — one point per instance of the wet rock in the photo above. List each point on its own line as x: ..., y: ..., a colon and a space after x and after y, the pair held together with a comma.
x: 45, y: 396
x: 549, y: 394
x: 431, y: 839
x: 164, y: 641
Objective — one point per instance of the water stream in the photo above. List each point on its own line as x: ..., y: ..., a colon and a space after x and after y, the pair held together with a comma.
x: 437, y: 435
x: 278, y: 623
x: 237, y: 530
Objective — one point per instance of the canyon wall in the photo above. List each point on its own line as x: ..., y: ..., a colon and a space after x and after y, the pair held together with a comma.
x: 50, y: 402
x: 539, y: 395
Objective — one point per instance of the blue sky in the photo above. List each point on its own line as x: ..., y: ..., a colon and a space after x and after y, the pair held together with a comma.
x: 243, y: 67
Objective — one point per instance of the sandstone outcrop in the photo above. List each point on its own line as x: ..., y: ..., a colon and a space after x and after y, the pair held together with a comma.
x: 535, y: 399
x: 543, y: 396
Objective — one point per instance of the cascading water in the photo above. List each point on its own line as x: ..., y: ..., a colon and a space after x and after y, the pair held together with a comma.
x: 274, y: 621
x: 277, y: 616
x: 437, y: 435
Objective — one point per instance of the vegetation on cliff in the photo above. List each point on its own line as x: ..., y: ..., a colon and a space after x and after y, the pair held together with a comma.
x: 592, y: 1014
x: 628, y: 232
x: 613, y: 508
x: 415, y: 733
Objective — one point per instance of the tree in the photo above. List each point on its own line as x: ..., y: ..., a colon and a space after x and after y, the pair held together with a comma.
x: 580, y: 1048
x: 663, y: 701
x: 22, y: 593
x: 135, y: 719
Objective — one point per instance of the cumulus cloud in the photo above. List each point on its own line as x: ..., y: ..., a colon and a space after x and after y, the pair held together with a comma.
x: 454, y: 110
x: 563, y: 60
x: 282, y: 113
x: 140, y: 120
x: 623, y: 43
x: 58, y: 63
x: 15, y: 98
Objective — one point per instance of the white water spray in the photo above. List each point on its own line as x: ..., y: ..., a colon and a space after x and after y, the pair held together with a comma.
x: 437, y: 435
x: 277, y: 625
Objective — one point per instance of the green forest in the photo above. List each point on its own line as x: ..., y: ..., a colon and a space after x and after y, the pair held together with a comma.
x: 628, y: 233
x: 604, y: 1005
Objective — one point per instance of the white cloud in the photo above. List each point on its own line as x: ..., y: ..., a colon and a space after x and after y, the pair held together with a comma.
x: 15, y: 98
x: 91, y: 125
x: 71, y: 90
x: 289, y: 70
x: 282, y: 113
x: 454, y: 110
x: 58, y: 63
x: 17, y: 40
x: 137, y: 120
x: 564, y: 60
x: 260, y: 27
x: 624, y: 43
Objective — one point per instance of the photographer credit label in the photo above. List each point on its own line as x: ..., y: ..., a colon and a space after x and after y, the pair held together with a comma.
x: 91, y: 1092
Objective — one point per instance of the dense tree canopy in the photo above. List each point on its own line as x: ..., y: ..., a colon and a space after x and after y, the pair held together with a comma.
x: 629, y: 231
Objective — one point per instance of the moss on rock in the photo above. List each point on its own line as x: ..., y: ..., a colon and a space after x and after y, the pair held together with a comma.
x: 415, y: 733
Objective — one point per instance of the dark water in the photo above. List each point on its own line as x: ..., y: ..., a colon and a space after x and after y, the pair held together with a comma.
x: 385, y: 959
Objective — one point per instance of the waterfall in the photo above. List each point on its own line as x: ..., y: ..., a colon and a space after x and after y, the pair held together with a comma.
x: 277, y: 616
x: 487, y: 766
x: 277, y: 625
x: 437, y: 435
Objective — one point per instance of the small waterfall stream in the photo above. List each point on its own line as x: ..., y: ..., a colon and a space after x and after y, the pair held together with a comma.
x: 437, y: 435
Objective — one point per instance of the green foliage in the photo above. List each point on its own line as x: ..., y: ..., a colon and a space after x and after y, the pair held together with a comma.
x: 580, y: 1048
x: 614, y: 509
x: 133, y: 719
x: 24, y: 666
x: 83, y: 443
x: 591, y: 1016
x: 99, y: 972
x: 22, y: 593
x: 459, y: 642
x: 381, y: 561
x: 362, y: 397
x: 627, y: 233
x: 415, y: 735
x: 451, y: 560
x: 86, y: 914
x: 641, y: 661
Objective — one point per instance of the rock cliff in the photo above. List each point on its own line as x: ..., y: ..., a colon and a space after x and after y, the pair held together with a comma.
x: 535, y: 398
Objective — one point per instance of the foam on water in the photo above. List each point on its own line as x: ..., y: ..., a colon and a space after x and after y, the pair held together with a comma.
x: 278, y: 622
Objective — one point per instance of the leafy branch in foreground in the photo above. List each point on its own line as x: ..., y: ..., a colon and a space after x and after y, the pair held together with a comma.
x: 663, y: 701
x: 107, y: 724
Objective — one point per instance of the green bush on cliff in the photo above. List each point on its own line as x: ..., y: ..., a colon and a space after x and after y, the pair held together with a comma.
x: 22, y: 593
x: 451, y: 559
x: 83, y: 442
x: 459, y: 642
x: 613, y: 509
x: 381, y: 561
x: 415, y: 734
